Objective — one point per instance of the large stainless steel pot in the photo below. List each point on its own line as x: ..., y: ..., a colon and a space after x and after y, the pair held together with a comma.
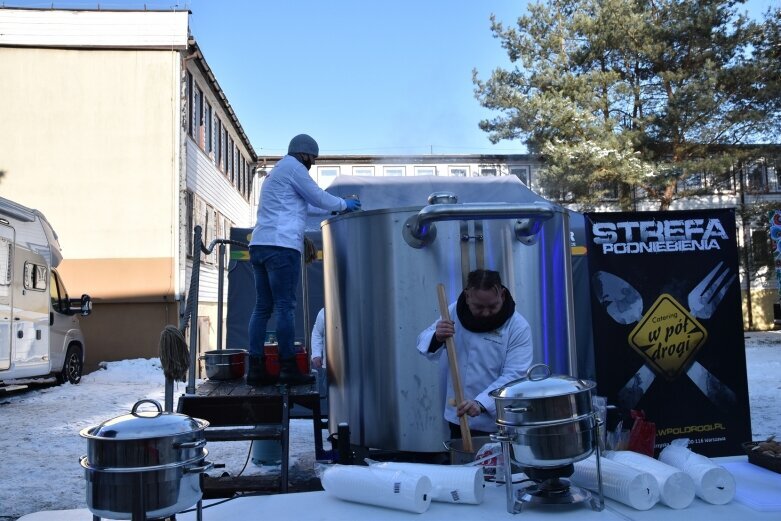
x: 147, y: 461
x: 549, y: 417
x: 381, y: 269
x: 225, y: 364
x: 157, y: 492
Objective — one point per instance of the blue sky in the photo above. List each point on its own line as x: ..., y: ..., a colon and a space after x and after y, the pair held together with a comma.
x: 360, y: 76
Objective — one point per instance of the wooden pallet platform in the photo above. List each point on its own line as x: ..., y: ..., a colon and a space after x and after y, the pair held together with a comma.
x: 236, y: 411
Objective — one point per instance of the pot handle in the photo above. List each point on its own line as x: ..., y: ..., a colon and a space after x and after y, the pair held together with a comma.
x: 515, y: 410
x: 530, y: 372
x: 147, y: 400
x: 207, y: 465
x: 190, y: 444
x: 420, y: 230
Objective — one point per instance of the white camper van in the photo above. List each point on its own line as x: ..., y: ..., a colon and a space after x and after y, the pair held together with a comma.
x: 39, y: 325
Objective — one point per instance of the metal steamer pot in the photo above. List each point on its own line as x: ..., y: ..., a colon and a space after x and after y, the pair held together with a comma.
x: 146, y: 464
x: 225, y: 364
x: 550, y: 418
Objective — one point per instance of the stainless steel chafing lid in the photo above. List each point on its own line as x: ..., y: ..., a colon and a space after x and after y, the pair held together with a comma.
x: 539, y: 383
x: 146, y: 424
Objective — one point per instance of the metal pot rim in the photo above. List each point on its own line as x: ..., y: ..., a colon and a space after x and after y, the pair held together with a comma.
x: 217, y: 352
x: 591, y: 418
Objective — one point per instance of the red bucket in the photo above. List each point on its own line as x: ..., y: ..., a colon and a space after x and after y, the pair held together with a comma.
x: 271, y: 351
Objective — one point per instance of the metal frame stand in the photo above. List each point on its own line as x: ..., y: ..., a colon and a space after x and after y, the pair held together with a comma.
x: 515, y: 500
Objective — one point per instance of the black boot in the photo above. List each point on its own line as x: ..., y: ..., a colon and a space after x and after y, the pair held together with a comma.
x: 289, y: 373
x: 256, y: 371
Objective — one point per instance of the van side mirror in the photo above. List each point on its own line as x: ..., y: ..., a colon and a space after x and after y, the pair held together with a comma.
x: 82, y: 306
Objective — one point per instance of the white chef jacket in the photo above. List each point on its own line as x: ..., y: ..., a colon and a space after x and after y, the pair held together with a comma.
x: 318, y: 336
x: 486, y: 361
x: 285, y: 199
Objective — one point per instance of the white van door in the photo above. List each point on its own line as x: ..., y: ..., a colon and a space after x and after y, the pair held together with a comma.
x: 6, y: 293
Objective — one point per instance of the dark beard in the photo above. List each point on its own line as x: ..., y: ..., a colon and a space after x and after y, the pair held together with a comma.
x: 484, y: 324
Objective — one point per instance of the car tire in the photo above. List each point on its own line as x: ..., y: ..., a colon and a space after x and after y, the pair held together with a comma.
x: 73, y: 366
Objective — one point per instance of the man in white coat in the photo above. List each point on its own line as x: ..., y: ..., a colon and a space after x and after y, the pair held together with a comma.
x: 275, y: 249
x: 493, y: 347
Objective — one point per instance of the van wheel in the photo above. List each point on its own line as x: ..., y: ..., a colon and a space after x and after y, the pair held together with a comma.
x: 73, y: 367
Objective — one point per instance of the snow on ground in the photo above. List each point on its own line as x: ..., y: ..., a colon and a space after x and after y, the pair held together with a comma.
x: 40, y: 443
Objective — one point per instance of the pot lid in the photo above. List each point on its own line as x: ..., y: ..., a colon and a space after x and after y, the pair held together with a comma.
x: 540, y: 383
x: 146, y: 424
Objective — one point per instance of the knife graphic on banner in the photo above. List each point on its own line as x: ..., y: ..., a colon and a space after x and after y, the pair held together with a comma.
x: 624, y: 304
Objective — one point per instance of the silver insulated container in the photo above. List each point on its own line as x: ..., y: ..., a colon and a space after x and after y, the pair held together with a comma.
x: 381, y: 270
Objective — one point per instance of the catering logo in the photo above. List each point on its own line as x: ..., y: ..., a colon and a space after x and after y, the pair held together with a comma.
x: 667, y: 337
x: 658, y: 236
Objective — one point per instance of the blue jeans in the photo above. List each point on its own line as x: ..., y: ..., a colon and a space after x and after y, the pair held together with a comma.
x: 277, y: 271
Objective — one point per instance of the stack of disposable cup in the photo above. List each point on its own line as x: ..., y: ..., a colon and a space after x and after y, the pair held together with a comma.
x: 676, y: 488
x: 450, y: 483
x: 713, y: 483
x: 620, y: 482
x: 380, y: 487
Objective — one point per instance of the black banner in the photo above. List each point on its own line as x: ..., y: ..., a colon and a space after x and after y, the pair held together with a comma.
x: 667, y: 319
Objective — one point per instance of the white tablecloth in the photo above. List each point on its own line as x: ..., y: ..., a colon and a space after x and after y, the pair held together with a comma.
x: 319, y: 506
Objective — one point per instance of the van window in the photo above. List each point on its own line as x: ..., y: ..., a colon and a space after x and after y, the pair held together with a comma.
x: 58, y: 294
x: 5, y: 262
x: 35, y: 276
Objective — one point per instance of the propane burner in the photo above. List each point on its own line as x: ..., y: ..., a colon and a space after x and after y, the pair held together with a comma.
x: 550, y: 484
x: 553, y: 491
x: 551, y: 487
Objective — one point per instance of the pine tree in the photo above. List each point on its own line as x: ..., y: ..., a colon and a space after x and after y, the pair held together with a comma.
x: 634, y: 95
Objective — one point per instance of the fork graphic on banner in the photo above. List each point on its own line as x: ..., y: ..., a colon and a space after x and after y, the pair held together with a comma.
x: 624, y: 304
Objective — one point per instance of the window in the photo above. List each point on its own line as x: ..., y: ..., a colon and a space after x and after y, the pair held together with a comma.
x: 761, y: 248
x: 236, y: 167
x: 231, y: 173
x: 225, y: 150
x: 394, y: 171
x: 6, y: 251
x: 243, y: 164
x: 58, y: 295
x: 218, y: 143
x: 198, y: 114
x: 488, y: 171
x: 188, y: 218
x: 755, y: 177
x: 459, y: 171
x: 207, y: 123
x: 363, y: 170
x: 522, y: 173
x: 693, y: 181
x: 35, y: 276
x: 209, y: 231
x: 326, y: 175
x: 190, y: 106
x: 425, y: 170
x: 235, y: 171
